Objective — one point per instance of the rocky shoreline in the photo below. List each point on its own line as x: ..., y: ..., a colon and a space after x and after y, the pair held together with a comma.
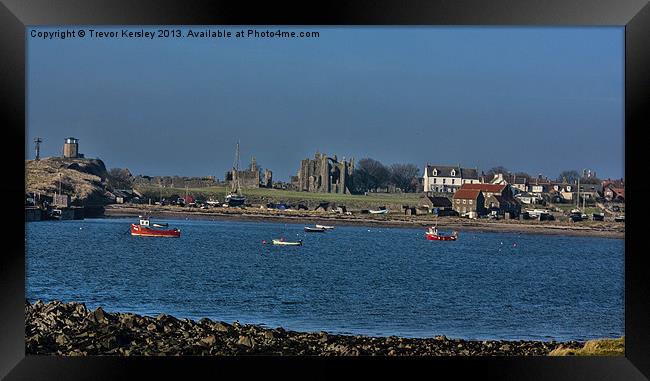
x: 591, y: 229
x: 70, y: 329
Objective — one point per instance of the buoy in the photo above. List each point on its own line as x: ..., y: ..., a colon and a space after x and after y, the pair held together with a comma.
x: 514, y: 245
x: 263, y: 242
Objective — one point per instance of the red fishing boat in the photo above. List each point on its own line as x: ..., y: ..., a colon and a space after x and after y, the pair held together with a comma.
x: 144, y: 229
x: 433, y: 235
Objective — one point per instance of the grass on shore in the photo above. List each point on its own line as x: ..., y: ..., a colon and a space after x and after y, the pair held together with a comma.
x: 279, y: 195
x: 588, y: 210
x: 597, y: 347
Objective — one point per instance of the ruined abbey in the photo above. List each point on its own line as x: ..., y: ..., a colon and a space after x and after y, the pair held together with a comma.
x: 324, y: 174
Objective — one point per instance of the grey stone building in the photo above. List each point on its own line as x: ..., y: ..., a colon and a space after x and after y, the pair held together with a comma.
x: 324, y: 174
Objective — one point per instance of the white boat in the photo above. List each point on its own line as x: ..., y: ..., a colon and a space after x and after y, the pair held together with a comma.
x: 380, y: 211
x: 325, y: 227
x: 286, y: 243
x: 314, y: 230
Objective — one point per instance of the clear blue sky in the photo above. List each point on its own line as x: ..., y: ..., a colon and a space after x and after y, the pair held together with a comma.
x: 539, y: 100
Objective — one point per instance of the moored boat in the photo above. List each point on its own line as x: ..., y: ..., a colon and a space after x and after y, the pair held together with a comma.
x: 146, y: 229
x: 327, y: 227
x: 235, y: 198
x: 433, y: 235
x: 281, y: 242
x: 380, y: 211
x: 314, y: 230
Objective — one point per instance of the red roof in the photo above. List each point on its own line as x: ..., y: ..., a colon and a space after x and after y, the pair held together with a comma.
x: 619, y: 191
x: 467, y: 194
x: 492, y: 188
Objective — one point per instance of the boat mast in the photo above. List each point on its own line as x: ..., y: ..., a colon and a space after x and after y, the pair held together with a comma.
x: 235, y: 172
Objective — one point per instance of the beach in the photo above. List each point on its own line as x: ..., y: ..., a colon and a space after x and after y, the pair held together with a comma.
x: 586, y: 228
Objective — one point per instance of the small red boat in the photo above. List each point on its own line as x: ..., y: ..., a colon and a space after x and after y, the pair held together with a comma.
x: 143, y: 229
x: 432, y: 235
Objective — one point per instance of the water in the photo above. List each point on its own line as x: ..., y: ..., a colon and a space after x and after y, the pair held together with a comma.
x: 353, y: 280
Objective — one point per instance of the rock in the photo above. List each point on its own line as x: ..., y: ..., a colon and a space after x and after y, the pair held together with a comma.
x: 246, y: 341
x: 152, y: 327
x: 209, y: 341
x: 61, y: 340
x: 99, y: 315
x: 221, y: 327
x: 269, y: 335
x: 505, y: 347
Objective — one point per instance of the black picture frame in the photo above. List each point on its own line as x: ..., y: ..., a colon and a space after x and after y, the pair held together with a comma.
x: 17, y: 15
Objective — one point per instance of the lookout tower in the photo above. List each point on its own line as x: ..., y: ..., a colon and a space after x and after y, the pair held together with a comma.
x: 71, y: 148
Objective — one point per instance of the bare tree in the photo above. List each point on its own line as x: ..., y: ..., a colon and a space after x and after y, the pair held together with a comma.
x: 495, y: 170
x: 402, y: 176
x: 570, y: 175
x: 370, y: 174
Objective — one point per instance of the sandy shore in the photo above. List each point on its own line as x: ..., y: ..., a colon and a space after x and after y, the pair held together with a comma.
x: 585, y: 228
x: 69, y: 329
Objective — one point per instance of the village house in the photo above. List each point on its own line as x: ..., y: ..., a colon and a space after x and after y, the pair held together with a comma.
x: 469, y: 202
x: 447, y: 179
x: 520, y: 184
x: 528, y: 198
x: 612, y: 193
x: 497, y: 197
x: 539, y: 185
x: 438, y: 205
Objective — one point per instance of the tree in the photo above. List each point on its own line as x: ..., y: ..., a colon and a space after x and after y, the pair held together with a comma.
x: 570, y: 176
x: 370, y: 174
x: 523, y: 174
x: 402, y: 175
x: 495, y: 170
x: 120, y: 178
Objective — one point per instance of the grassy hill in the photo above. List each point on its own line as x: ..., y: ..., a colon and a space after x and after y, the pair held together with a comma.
x: 83, y: 179
x: 264, y: 195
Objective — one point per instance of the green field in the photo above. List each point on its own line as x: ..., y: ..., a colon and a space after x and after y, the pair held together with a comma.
x: 264, y: 195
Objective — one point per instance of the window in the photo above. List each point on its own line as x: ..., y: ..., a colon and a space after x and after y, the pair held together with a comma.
x: 453, y: 181
x: 444, y: 181
x: 470, y: 202
x: 434, y: 180
x: 464, y: 201
x: 457, y: 201
x: 453, y: 172
x: 435, y: 172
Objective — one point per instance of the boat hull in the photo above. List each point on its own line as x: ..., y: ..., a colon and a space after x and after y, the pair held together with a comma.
x: 139, y: 231
x: 235, y: 200
x: 325, y: 227
x: 285, y: 243
x: 314, y: 230
x: 432, y: 237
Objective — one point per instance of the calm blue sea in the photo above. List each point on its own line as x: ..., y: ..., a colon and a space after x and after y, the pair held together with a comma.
x: 354, y: 280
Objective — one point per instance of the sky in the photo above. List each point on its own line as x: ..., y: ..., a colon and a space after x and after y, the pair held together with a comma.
x: 533, y: 99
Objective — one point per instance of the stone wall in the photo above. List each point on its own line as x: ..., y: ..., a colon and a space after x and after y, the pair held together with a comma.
x: 175, y: 181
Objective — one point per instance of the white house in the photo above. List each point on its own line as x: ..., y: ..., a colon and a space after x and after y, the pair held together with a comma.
x: 447, y: 179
